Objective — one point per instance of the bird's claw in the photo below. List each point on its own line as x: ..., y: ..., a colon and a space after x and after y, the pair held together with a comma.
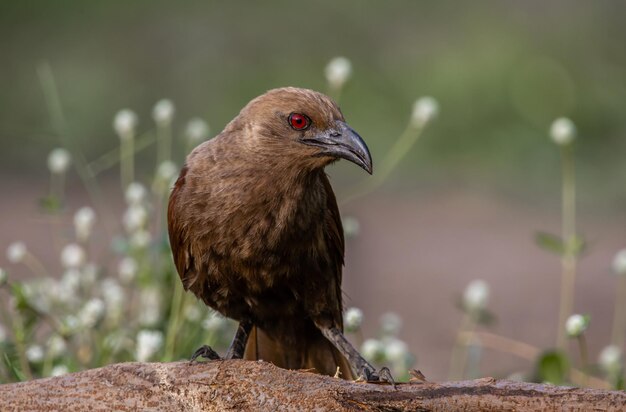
x: 205, y: 352
x: 383, y: 375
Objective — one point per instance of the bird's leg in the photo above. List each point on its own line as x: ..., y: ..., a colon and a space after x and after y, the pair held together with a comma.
x: 238, y: 345
x: 358, y: 363
x: 236, y: 349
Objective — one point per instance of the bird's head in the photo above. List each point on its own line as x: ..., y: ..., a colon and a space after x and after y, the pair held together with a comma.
x: 303, y: 125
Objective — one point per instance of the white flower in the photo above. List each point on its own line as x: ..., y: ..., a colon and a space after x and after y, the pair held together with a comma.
x: 353, y: 318
x: 351, y: 226
x: 91, y: 313
x: 3, y: 334
x: 610, y: 359
x: 140, y: 239
x: 34, y: 354
x: 619, y: 262
x: 59, y: 160
x: 124, y: 124
x: 197, y: 130
x: 390, y: 323
x: 71, y: 323
x: 3, y: 277
x: 56, y: 346
x: 425, y: 109
x: 73, y: 256
x: 163, y: 112
x: 59, y: 370
x: 84, y: 219
x: 396, y: 350
x: 148, y: 344
x: 89, y: 274
x: 576, y: 325
x: 150, y: 304
x: 166, y: 171
x: 193, y: 313
x: 562, y: 131
x: 135, y: 193
x: 16, y: 252
x: 338, y: 71
x: 135, y: 218
x: 372, y: 349
x: 113, y: 295
x: 127, y: 269
x: 69, y: 284
x: 213, y: 322
x: 476, y: 296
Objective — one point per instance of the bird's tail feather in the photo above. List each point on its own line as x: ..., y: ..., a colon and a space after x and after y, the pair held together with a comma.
x: 315, y: 353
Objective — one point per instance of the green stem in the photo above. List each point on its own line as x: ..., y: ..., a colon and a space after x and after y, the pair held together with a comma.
x: 619, y: 317
x: 458, y: 359
x: 127, y: 160
x: 110, y: 159
x: 584, y: 357
x: 164, y: 142
x: 174, y: 321
x: 397, y: 152
x: 20, y: 345
x: 569, y: 258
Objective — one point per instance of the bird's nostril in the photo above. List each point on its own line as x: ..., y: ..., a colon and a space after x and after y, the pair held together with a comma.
x: 335, y: 134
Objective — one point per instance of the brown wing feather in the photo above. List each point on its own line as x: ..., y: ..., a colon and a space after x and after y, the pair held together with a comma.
x: 177, y: 232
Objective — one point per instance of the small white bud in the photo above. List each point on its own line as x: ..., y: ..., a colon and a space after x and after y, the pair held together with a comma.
x: 192, y: 313
x: 150, y: 301
x: 140, y: 239
x: 16, y: 252
x: 135, y: 193
x: 476, y: 296
x: 619, y: 262
x: 610, y: 359
x: 372, y: 349
x: 149, y: 342
x: 59, y: 160
x: 71, y: 323
x: 127, y: 269
x: 338, y: 71
x: 73, y: 256
x: 135, y: 218
x: 34, y: 354
x: 197, y: 130
x: 166, y: 171
x: 59, y: 370
x: 425, y: 109
x: 576, y: 325
x: 213, y: 322
x: 390, y: 323
x: 351, y: 226
x: 91, y: 313
x: 113, y: 295
x: 353, y: 318
x: 56, y: 346
x: 562, y: 131
x: 3, y: 277
x: 124, y: 124
x: 163, y: 112
x: 84, y: 219
x: 396, y: 350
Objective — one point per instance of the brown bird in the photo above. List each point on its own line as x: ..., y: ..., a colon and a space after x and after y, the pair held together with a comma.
x: 256, y: 234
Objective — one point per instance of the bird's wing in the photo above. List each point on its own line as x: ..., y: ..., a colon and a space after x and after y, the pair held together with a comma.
x: 177, y: 231
x: 335, y: 242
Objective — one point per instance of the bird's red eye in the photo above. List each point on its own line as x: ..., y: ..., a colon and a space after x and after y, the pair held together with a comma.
x: 299, y: 121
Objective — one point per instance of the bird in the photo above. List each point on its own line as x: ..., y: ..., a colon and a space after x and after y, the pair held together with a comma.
x: 256, y: 234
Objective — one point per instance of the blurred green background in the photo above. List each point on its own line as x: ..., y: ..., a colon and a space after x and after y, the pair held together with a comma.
x: 501, y: 70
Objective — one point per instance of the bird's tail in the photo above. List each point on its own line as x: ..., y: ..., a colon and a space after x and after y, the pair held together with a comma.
x: 315, y: 353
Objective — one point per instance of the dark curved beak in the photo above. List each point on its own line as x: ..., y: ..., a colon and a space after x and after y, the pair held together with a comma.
x: 341, y: 141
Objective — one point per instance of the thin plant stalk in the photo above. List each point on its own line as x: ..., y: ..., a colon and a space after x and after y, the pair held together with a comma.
x: 20, y: 345
x: 127, y: 160
x: 57, y: 186
x: 397, y: 152
x: 569, y: 258
x: 458, y: 359
x: 584, y: 355
x: 164, y: 142
x: 619, y: 318
x: 174, y: 320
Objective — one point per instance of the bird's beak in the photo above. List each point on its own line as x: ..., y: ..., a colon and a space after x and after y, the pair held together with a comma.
x: 341, y: 141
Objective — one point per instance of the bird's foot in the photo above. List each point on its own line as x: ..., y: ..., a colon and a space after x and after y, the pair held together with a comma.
x: 381, y: 376
x: 205, y: 352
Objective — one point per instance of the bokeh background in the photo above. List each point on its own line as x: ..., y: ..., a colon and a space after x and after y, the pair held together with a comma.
x: 464, y: 204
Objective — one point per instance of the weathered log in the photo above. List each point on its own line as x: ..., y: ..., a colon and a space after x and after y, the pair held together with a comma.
x: 258, y: 386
